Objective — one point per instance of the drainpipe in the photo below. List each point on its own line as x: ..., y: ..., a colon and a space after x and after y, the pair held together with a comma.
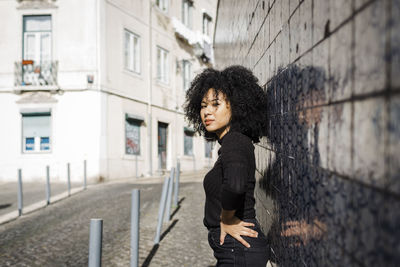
x: 149, y: 109
x: 103, y: 98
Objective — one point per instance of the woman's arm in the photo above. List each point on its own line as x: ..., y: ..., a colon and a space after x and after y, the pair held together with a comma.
x: 236, y: 156
x: 232, y: 225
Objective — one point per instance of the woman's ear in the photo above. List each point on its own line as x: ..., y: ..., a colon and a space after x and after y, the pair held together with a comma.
x: 228, y: 104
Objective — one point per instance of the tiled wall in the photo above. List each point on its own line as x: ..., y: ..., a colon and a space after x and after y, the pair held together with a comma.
x: 328, y: 174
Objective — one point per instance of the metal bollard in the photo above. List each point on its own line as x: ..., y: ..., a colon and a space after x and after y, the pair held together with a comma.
x: 176, y: 191
x: 48, y: 193
x: 84, y: 174
x: 135, y: 208
x: 69, y: 179
x: 161, y: 209
x: 169, y: 196
x: 20, y: 196
x: 95, y: 240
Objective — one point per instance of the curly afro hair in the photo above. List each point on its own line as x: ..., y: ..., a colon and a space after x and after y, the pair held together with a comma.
x: 247, y: 99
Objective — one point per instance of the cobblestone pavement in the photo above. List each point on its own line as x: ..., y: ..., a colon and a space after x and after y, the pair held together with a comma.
x: 58, y: 235
x: 32, y: 192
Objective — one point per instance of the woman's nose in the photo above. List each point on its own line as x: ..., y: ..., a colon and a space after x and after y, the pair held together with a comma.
x: 206, y: 111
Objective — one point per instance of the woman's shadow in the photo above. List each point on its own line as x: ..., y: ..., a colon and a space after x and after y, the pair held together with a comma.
x: 291, y: 180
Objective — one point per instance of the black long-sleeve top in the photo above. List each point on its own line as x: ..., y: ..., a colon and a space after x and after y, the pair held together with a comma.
x: 230, y: 183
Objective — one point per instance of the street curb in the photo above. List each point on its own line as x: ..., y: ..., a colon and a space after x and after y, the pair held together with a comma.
x: 11, y: 216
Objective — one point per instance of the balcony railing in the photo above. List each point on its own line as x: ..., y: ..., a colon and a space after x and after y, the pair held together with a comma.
x: 28, y: 73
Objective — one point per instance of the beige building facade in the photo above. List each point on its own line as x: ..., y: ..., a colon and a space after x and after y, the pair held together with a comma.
x: 101, y: 82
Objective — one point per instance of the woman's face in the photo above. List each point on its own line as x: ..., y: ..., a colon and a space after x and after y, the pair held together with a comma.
x: 215, y: 113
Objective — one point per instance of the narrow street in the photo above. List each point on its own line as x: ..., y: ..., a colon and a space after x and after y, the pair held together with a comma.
x: 58, y: 235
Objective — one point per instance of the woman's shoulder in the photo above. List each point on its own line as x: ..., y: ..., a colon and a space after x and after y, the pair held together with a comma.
x: 237, y: 140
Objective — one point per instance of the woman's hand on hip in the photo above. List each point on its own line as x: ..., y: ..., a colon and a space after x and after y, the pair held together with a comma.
x: 236, y: 228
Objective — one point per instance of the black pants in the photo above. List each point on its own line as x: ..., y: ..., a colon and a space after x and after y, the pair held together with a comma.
x: 234, y: 254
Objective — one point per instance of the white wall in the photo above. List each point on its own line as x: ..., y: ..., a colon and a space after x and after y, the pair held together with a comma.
x: 75, y: 111
x: 129, y: 87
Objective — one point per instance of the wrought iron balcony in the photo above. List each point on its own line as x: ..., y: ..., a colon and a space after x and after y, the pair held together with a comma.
x: 29, y: 74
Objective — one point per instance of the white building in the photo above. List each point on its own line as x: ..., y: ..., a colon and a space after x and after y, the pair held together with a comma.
x: 102, y: 81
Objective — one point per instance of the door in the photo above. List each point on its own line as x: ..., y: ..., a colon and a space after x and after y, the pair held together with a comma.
x: 36, y: 49
x: 162, y: 145
x: 37, y: 39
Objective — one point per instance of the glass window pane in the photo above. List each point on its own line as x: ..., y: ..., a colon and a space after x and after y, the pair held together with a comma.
x: 136, y: 54
x: 37, y: 23
x: 44, y: 143
x: 45, y: 47
x: 188, y: 144
x: 185, y: 13
x: 159, y: 63
x: 29, y: 143
x: 208, y: 148
x: 126, y: 50
x: 165, y: 62
x: 162, y: 65
x: 132, y: 129
x: 29, y: 46
x: 189, y: 16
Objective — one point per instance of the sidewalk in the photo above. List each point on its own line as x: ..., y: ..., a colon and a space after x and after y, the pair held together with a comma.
x: 186, y: 243
x: 184, y: 240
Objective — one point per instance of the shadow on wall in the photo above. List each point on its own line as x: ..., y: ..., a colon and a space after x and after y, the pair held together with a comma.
x: 290, y: 179
x: 319, y: 219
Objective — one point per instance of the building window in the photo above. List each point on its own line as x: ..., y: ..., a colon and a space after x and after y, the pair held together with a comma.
x: 209, y: 145
x: 162, y: 5
x: 132, y: 135
x: 206, y: 24
x: 37, y: 39
x: 37, y: 67
x: 162, y: 65
x: 132, y: 52
x: 188, y: 141
x: 36, y: 134
x: 187, y: 74
x: 187, y: 7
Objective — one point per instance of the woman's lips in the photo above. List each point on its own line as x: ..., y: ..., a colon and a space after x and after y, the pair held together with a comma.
x: 209, y: 121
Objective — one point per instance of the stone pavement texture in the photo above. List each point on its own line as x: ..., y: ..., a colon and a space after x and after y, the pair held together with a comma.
x: 58, y: 235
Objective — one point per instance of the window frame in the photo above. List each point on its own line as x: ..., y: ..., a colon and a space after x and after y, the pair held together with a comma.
x: 162, y: 5
x: 186, y: 82
x: 187, y: 18
x: 162, y: 65
x: 37, y: 140
x: 211, y: 144
x: 206, y: 28
x: 132, y: 54
x: 188, y: 134
x: 38, y: 34
x: 136, y: 123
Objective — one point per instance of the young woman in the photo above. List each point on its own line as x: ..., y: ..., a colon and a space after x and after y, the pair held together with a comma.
x: 230, y: 107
